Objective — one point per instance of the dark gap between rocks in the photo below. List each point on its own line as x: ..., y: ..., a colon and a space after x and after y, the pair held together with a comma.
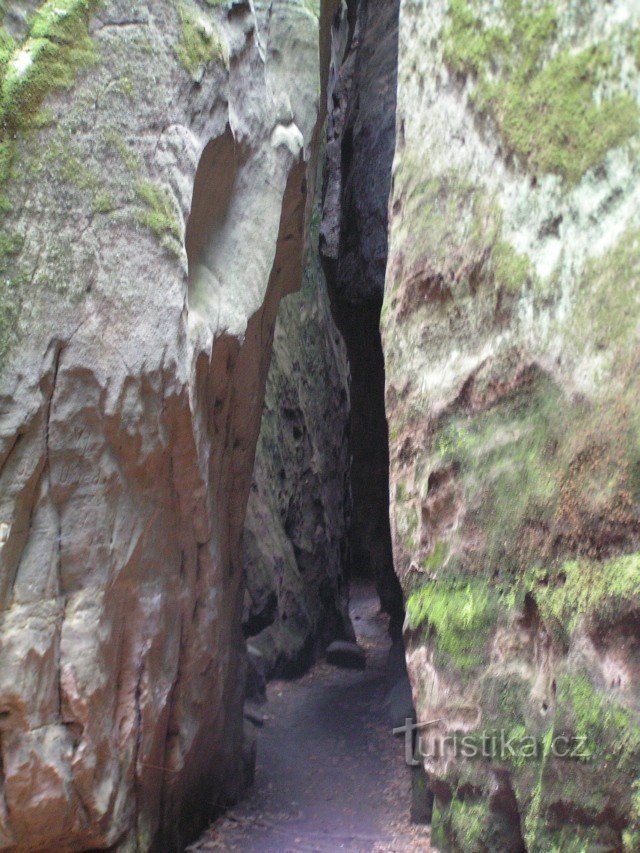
x: 330, y: 774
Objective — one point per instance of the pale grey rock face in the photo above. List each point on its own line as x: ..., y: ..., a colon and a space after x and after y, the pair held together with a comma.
x: 130, y: 400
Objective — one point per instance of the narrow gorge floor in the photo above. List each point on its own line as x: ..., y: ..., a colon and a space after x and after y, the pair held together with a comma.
x: 329, y: 776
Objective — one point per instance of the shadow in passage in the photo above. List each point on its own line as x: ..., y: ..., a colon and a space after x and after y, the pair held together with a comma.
x: 330, y: 775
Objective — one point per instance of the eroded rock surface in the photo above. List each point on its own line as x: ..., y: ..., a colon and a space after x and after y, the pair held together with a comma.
x: 510, y: 331
x: 131, y: 392
x: 296, y: 549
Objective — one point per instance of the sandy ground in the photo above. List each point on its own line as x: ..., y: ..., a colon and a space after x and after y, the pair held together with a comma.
x: 330, y: 776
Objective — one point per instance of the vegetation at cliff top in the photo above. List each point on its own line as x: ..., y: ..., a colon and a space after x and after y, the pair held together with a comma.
x: 547, y: 107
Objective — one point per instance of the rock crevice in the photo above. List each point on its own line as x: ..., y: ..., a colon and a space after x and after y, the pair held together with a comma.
x: 353, y: 246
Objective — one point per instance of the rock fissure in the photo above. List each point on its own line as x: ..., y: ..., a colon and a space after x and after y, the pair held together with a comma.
x: 194, y: 470
x: 353, y: 247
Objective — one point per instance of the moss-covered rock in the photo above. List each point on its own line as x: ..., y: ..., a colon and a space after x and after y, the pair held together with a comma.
x: 160, y: 214
x: 56, y: 47
x: 460, y: 618
x: 510, y: 329
x: 541, y: 93
x: 200, y: 41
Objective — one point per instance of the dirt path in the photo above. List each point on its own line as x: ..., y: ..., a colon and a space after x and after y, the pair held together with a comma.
x: 330, y: 776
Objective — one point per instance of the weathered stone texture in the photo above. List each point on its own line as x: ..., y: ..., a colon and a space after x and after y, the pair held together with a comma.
x: 510, y: 331
x: 298, y: 516
x: 131, y: 393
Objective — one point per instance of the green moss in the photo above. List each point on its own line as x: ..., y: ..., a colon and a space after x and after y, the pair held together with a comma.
x: 438, y: 826
x: 611, y: 733
x: 631, y: 840
x: 512, y: 270
x: 470, y: 47
x: 76, y: 172
x: 453, y: 221
x: 407, y: 524
x: 634, y: 42
x: 505, y: 700
x: 554, y: 123
x: 601, y: 776
x: 200, y: 43
x: 506, y: 463
x: 631, y: 836
x: 454, y: 441
x: 65, y: 159
x: 125, y: 86
x: 160, y: 215
x: 568, y: 839
x: 545, y: 106
x: 103, y: 202
x: 10, y: 246
x: 608, y: 303
x: 57, y: 46
x: 129, y: 157
x: 437, y: 557
x: 635, y: 801
x: 7, y: 48
x: 459, y: 616
x: 468, y: 824
x: 456, y: 231
x: 581, y: 588
x: 533, y: 815
x: 12, y: 283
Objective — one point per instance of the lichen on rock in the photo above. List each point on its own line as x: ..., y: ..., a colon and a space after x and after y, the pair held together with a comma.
x: 541, y: 93
x: 510, y: 329
x: 200, y: 41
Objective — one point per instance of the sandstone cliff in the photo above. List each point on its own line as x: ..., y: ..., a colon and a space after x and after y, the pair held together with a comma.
x: 510, y: 331
x: 131, y: 391
x: 296, y: 544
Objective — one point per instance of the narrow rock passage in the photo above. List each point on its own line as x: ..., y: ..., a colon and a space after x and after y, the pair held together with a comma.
x: 330, y: 776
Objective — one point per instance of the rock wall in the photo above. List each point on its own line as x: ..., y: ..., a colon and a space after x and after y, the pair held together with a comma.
x: 510, y: 331
x: 131, y: 391
x: 353, y: 247
x: 296, y: 549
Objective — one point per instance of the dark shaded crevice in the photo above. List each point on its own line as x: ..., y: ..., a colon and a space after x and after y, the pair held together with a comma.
x: 361, y: 133
x: 353, y: 245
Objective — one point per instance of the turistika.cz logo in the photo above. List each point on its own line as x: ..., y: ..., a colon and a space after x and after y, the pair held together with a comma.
x: 494, y: 744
